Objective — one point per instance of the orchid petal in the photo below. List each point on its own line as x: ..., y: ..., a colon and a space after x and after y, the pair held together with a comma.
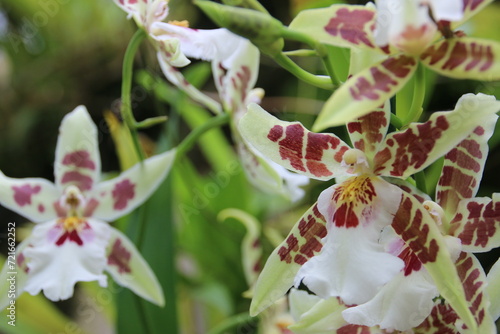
x: 419, y: 231
x: 176, y: 78
x: 493, y: 290
x: 32, y: 198
x: 302, y: 243
x: 315, y: 315
x: 268, y: 176
x: 463, y: 167
x: 352, y: 263
x: 170, y: 51
x: 292, y: 146
x: 443, y: 318
x: 340, y: 25
x: 464, y: 58
x: 56, y: 263
x: 251, y: 250
x: 13, y: 272
x: 77, y: 153
x: 116, y: 197
x: 401, y: 304
x: 368, y: 132
x: 129, y: 269
x: 477, y: 223
x: 366, y: 91
x: 409, y: 151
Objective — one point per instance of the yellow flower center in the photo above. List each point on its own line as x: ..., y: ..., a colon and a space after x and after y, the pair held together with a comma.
x: 71, y: 223
x: 183, y: 23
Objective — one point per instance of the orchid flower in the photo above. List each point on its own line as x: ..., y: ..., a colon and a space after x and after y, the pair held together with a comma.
x: 406, y: 32
x: 235, y: 65
x: 335, y: 248
x: 72, y: 240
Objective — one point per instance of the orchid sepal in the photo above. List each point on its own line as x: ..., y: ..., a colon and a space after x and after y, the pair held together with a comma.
x: 303, y: 242
x: 129, y: 269
x: 283, y: 142
x: 419, y: 231
x: 121, y: 195
x: 366, y: 91
x: 464, y: 58
x: 409, y: 151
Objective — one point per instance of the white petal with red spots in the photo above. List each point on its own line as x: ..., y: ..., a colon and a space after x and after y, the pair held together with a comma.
x: 33, y: 198
x: 77, y: 153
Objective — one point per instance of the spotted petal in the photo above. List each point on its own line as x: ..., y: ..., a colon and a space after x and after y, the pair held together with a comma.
x: 409, y: 151
x: 116, y: 197
x: 340, y: 25
x: 57, y: 260
x: 32, y: 198
x: 464, y: 58
x: 463, y: 168
x: 77, y: 153
x: 368, y: 132
x: 366, y: 91
x: 292, y: 146
x: 421, y: 234
x: 129, y: 269
x: 303, y: 242
x: 353, y: 264
x: 443, y: 319
x: 13, y: 273
x: 477, y: 223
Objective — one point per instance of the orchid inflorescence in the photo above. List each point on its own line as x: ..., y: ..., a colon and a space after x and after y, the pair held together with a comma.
x: 376, y: 252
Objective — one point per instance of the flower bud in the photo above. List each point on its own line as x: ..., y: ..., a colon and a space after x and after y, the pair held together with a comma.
x: 261, y: 29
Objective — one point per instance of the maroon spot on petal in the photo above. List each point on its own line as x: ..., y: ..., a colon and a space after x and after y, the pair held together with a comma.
x: 60, y: 211
x: 290, y: 147
x: 412, y: 229
x: 479, y: 131
x: 354, y: 329
x: 292, y: 246
x: 411, y: 261
x: 83, y: 182
x: 79, y: 159
x: 415, y: 145
x: 122, y: 193
x: 70, y: 236
x: 22, y: 194
x: 457, y: 56
x: 471, y: 4
x: 91, y: 205
x: 434, y: 54
x: 120, y: 257
x: 350, y: 25
x: 317, y: 143
x: 41, y: 208
x: 275, y: 133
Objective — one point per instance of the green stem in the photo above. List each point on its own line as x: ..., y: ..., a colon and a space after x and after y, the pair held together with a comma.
x: 396, y: 122
x: 194, y: 135
x: 318, y: 81
x: 418, y: 96
x: 127, y: 73
x: 232, y: 322
x: 420, y: 180
x: 321, y: 51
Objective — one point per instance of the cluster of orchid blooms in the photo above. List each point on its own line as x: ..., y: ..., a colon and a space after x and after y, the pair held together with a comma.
x: 376, y: 254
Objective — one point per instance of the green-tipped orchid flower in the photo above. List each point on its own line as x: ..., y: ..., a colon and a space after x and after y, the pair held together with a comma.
x: 336, y: 248
x: 408, y: 32
x: 72, y: 240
